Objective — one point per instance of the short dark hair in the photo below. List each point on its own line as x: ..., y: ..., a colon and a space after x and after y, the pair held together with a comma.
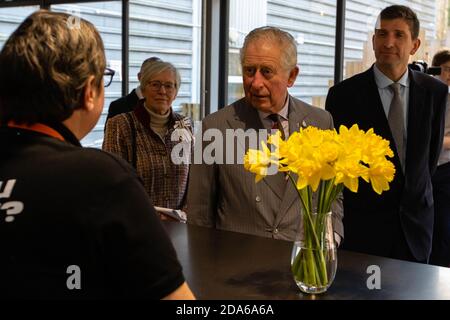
x: 402, y: 12
x: 44, y: 66
x: 441, y: 57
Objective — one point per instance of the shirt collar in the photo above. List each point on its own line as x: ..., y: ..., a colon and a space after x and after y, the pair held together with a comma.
x: 283, y: 113
x: 383, y: 81
x: 139, y: 92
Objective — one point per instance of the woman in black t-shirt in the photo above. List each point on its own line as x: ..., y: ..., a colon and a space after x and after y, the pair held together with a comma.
x: 74, y: 222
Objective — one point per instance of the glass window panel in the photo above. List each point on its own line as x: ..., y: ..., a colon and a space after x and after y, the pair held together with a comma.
x: 107, y: 18
x: 169, y: 30
x: 10, y: 18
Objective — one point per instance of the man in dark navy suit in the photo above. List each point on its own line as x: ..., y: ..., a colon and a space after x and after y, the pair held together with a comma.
x: 129, y: 102
x: 407, y: 108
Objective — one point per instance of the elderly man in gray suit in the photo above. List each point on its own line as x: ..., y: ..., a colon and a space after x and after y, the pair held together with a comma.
x: 225, y: 196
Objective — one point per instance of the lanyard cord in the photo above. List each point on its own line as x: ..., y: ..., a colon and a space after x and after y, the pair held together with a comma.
x: 38, y: 127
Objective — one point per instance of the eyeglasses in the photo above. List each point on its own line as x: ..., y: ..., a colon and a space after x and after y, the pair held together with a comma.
x: 156, y: 85
x: 445, y: 69
x: 108, y: 76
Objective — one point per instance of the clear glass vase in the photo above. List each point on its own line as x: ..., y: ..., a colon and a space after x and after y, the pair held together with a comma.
x: 314, y: 254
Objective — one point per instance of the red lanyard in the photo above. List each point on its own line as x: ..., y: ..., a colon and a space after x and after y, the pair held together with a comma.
x: 38, y: 127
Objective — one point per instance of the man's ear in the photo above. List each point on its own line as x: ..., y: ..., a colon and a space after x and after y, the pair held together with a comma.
x: 293, y: 76
x: 139, y: 76
x: 90, y: 93
x: 416, y: 46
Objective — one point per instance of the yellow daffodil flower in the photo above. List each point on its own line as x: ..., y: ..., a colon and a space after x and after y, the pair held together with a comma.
x: 258, y: 161
x: 323, y: 161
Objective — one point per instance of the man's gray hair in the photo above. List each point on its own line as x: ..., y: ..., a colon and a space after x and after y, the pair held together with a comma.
x: 284, y: 39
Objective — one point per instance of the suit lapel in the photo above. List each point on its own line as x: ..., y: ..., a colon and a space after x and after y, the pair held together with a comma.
x: 374, y: 111
x: 417, y: 95
x: 374, y: 115
x: 295, y: 116
x: 298, y: 113
x: 246, y: 117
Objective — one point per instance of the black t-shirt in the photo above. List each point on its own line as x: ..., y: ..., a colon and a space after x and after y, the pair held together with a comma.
x: 77, y: 223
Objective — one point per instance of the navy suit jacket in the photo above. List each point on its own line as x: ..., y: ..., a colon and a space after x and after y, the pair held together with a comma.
x: 123, y: 105
x: 374, y: 223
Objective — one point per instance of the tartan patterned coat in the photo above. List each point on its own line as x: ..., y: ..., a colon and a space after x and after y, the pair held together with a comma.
x: 164, y: 180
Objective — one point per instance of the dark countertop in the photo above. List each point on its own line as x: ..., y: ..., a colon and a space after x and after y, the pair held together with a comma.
x: 227, y: 265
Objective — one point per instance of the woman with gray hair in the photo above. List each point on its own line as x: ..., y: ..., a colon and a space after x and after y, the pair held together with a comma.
x: 147, y: 136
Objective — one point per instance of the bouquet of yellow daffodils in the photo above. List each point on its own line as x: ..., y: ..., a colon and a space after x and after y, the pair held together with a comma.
x: 323, y: 161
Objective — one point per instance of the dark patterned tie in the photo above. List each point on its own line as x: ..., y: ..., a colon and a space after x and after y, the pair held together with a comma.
x: 279, y: 180
x: 396, y: 122
x: 276, y: 124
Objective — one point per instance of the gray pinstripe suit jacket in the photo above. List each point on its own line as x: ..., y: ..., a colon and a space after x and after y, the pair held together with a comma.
x: 225, y: 196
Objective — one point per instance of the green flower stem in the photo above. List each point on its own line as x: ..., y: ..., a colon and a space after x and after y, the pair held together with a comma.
x: 313, y: 270
x: 310, y: 203
x: 297, y: 263
x: 329, y: 195
x: 322, y: 196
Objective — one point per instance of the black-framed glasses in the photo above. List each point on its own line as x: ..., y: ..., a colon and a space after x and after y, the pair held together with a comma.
x: 108, y: 76
x: 156, y: 85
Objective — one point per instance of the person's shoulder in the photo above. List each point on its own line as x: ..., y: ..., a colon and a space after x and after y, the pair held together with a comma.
x: 429, y: 82
x: 217, y: 118
x: 310, y: 110
x: 119, y: 119
x: 121, y: 122
x: 180, y: 117
x: 123, y: 104
x: 117, y: 103
x: 354, y: 81
x: 99, y: 166
x: 300, y: 104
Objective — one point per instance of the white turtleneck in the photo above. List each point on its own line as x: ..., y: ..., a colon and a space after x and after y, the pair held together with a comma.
x: 159, y: 122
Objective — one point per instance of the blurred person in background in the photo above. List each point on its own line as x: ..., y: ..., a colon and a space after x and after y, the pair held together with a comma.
x: 440, y: 254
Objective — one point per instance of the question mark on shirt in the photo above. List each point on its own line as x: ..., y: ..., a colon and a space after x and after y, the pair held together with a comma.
x: 12, y: 207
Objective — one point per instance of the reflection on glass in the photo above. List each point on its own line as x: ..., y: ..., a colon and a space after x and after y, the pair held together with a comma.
x: 106, y: 17
x: 10, y: 18
x: 170, y: 30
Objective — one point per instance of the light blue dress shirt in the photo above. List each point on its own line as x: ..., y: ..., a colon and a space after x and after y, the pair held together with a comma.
x: 386, y: 94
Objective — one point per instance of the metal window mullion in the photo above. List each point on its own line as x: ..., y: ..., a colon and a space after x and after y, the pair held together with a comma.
x: 340, y: 39
x: 223, y: 52
x: 125, y: 44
